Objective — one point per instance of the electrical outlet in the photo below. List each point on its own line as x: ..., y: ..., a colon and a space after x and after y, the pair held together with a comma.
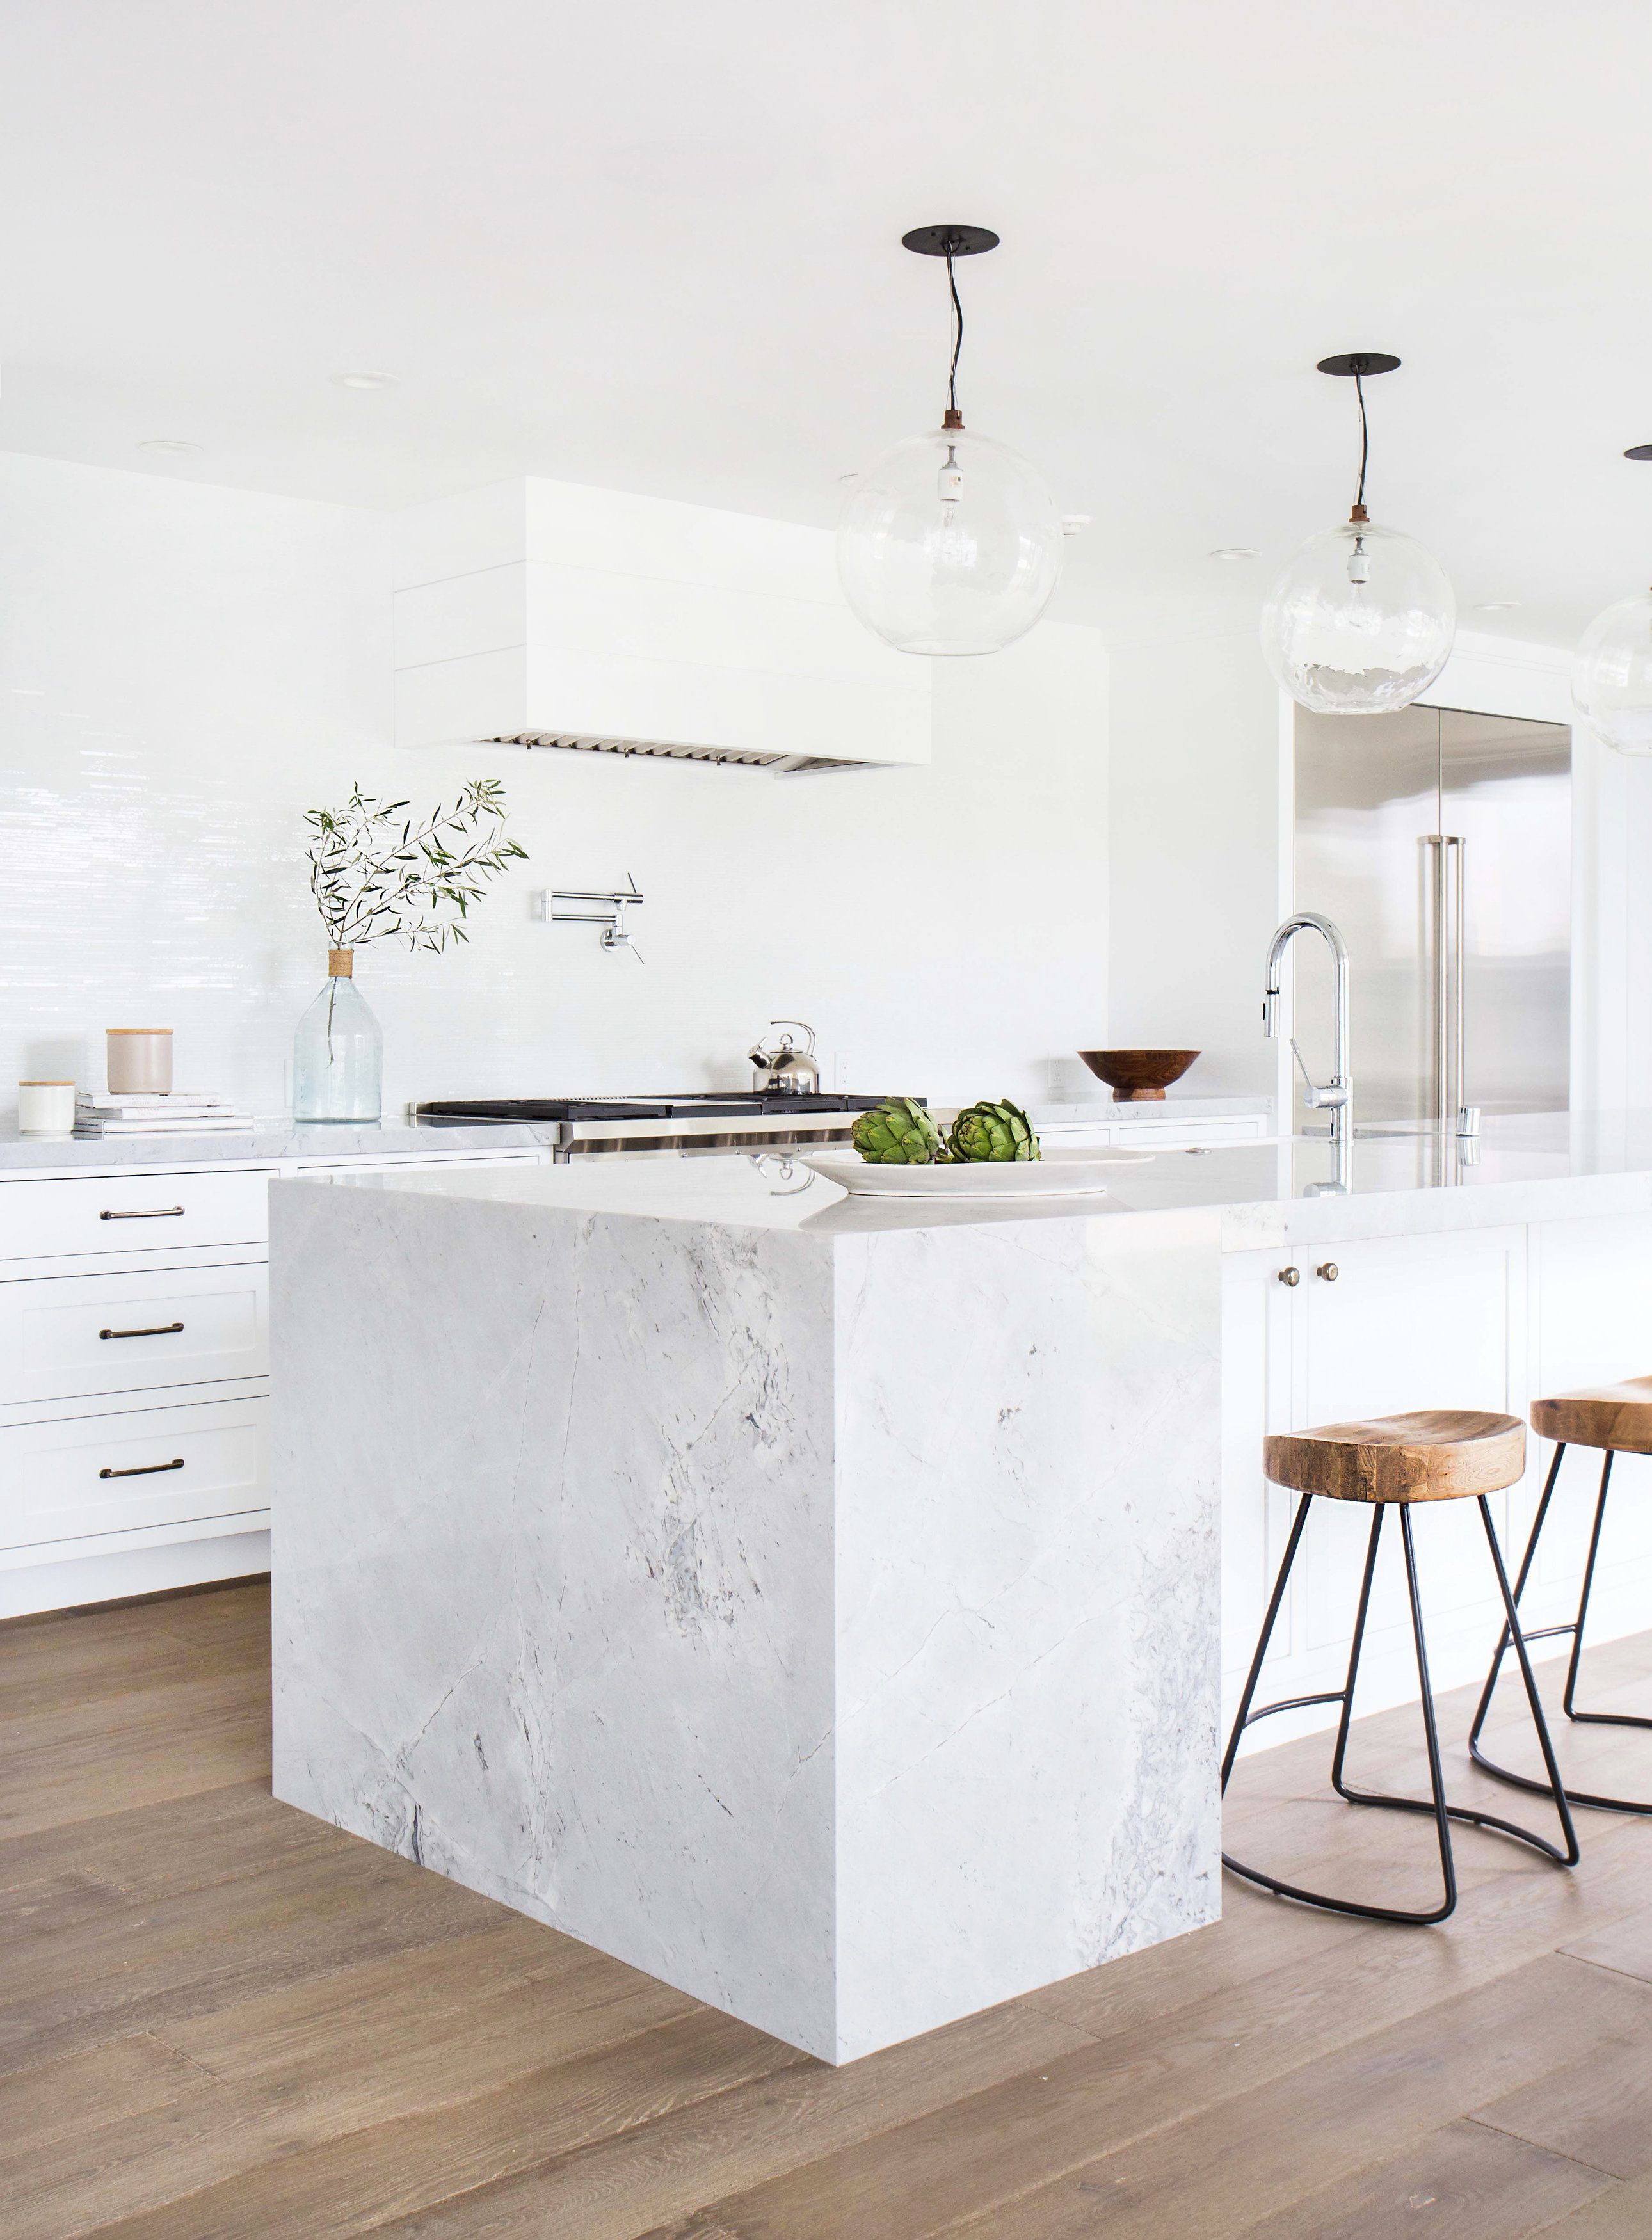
x: 538, y: 904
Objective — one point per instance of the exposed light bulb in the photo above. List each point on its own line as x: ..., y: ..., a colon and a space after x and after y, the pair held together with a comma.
x: 949, y: 483
x: 1361, y: 619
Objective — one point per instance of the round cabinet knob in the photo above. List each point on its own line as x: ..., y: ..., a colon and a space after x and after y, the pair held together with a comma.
x: 1292, y: 1275
x: 1327, y: 1271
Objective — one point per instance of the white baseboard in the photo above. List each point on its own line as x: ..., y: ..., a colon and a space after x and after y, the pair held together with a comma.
x: 131, y: 1571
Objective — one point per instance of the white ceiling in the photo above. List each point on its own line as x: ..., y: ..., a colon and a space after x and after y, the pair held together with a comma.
x: 656, y: 246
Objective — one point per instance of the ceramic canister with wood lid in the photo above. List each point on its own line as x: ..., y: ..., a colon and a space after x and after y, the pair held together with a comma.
x: 140, y: 1061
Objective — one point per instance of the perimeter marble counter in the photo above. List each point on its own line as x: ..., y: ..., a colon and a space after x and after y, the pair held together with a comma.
x: 274, y: 1141
x: 812, y: 1601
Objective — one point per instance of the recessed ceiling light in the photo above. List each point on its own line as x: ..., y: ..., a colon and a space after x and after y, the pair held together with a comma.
x: 1495, y: 606
x: 171, y: 446
x: 1075, y: 525
x: 366, y: 380
x: 1235, y: 552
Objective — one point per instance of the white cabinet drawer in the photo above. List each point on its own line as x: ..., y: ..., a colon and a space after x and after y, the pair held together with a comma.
x: 61, y: 1336
x: 132, y: 1213
x: 122, y: 1473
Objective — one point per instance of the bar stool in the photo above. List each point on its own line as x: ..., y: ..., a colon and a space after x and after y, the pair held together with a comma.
x: 1391, y: 1462
x: 1617, y: 1417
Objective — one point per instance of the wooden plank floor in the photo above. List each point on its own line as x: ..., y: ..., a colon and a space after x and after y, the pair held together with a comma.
x: 220, y: 2019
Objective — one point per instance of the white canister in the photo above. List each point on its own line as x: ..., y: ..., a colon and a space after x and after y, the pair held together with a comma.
x: 45, y: 1108
x: 140, y: 1061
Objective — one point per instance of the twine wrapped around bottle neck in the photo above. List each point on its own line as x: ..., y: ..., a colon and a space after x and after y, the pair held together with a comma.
x: 340, y: 963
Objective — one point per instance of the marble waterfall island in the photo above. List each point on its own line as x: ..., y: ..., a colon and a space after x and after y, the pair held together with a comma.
x: 818, y: 1610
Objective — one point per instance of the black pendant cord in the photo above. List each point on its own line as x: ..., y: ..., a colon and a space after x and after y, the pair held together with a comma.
x: 951, y: 242
x: 957, y: 335
x: 1357, y: 366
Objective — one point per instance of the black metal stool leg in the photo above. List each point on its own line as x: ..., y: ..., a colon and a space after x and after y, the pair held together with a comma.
x: 1434, y: 1802
x: 1345, y: 1696
x: 1487, y: 1692
x: 1435, y: 1805
x: 1582, y: 1609
x: 1548, y: 1632
x: 1245, y: 1715
x: 1340, y: 1754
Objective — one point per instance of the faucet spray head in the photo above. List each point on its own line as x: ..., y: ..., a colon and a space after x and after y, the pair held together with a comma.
x: 1269, y: 1014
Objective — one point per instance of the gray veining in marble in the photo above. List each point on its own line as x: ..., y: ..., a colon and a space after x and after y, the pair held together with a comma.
x: 825, y: 1624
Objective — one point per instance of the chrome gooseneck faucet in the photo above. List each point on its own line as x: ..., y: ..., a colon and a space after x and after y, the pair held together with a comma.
x: 1336, y: 1096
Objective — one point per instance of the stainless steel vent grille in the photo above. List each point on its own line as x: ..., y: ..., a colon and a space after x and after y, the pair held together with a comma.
x: 665, y: 751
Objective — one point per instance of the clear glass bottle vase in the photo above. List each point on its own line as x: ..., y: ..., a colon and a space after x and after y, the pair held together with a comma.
x: 338, y: 1051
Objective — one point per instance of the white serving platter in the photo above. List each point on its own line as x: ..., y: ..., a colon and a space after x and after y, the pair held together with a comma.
x: 1058, y: 1174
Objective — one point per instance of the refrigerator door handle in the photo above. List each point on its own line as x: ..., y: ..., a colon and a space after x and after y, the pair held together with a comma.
x: 1456, y: 848
x: 1451, y: 965
x: 1442, y: 963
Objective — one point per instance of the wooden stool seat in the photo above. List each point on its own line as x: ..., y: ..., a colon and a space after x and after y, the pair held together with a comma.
x: 1434, y: 1454
x: 1617, y: 1416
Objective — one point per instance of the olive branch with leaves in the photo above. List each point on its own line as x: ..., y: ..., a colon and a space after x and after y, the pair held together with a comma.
x: 378, y: 874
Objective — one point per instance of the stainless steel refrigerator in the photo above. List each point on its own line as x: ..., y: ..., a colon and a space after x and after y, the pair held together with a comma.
x: 1440, y: 843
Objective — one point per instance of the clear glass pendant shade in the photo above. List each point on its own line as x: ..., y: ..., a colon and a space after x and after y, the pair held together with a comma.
x: 949, y: 543
x: 1612, y: 676
x: 1360, y: 621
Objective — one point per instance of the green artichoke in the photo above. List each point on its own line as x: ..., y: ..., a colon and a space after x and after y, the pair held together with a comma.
x: 993, y: 1131
x: 897, y: 1133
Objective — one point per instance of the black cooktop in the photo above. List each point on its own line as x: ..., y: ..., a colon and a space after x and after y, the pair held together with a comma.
x: 698, y: 1104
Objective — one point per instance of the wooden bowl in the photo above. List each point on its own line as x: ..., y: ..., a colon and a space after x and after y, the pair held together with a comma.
x: 1138, y: 1076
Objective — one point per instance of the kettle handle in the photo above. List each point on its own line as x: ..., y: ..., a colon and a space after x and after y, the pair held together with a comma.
x: 810, y: 1052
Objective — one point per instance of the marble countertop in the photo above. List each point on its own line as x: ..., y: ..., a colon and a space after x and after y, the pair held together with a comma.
x: 270, y: 1140
x: 265, y: 1143
x: 1268, y: 1195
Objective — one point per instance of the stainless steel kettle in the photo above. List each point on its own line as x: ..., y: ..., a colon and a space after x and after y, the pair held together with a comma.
x: 785, y: 1070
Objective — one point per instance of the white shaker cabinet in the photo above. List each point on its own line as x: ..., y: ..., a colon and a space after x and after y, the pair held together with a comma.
x: 65, y: 1337
x: 101, y: 1477
x: 1402, y: 1323
x: 134, y: 1374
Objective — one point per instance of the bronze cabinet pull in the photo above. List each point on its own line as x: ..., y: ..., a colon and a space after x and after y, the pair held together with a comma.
x: 1327, y: 1271
x: 143, y: 1213
x: 144, y: 1469
x: 1291, y: 1276
x: 154, y: 1330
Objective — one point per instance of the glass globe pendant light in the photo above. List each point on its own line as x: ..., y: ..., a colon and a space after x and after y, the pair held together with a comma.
x: 949, y: 543
x: 1612, y: 672
x: 1362, y: 618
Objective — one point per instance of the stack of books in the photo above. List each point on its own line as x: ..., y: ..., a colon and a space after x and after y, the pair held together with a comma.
x: 177, y: 1115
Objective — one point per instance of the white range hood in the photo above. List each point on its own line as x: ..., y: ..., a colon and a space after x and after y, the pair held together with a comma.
x: 543, y: 614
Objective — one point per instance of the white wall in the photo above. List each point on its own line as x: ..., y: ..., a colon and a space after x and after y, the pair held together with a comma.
x: 1194, y: 821
x: 182, y: 670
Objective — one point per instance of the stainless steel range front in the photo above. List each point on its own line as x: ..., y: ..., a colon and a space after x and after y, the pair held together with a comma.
x: 703, y: 1121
